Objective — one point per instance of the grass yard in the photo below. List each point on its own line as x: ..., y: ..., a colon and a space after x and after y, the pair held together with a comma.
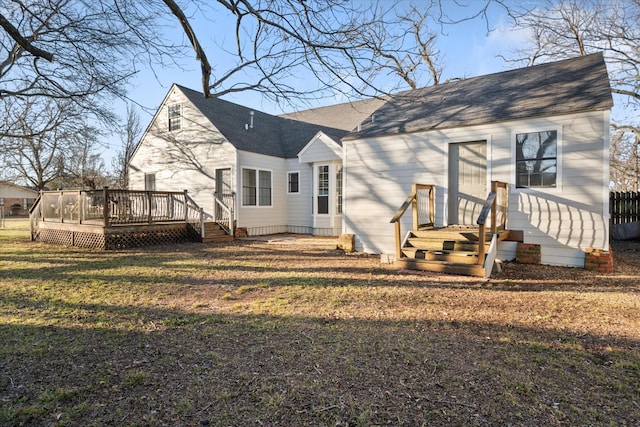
x: 291, y: 332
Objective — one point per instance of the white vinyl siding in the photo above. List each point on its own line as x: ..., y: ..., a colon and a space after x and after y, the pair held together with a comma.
x: 565, y: 220
x: 188, y: 167
x: 321, y: 149
x: 299, y: 214
x: 265, y: 219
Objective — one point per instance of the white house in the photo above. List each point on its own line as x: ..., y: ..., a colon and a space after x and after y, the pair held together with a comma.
x: 346, y: 169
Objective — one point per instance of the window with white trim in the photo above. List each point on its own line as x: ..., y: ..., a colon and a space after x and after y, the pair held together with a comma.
x: 256, y: 187
x: 293, y: 182
x: 265, y: 188
x: 175, y: 117
x: 323, y: 189
x: 339, y: 190
x: 150, y: 181
x: 537, y: 159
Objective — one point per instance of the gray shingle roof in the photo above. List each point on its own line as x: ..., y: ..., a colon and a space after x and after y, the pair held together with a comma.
x: 563, y: 87
x: 280, y: 136
x: 344, y: 116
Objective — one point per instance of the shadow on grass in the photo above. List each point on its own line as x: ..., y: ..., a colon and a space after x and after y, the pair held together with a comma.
x: 180, y: 368
x: 247, y: 263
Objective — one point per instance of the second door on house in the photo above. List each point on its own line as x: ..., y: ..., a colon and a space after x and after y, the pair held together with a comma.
x: 467, y: 182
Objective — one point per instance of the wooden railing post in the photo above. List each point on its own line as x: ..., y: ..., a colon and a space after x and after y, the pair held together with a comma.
x: 80, y: 207
x: 432, y: 206
x: 414, y: 206
x: 186, y: 206
x: 398, y: 240
x: 494, y: 213
x: 149, y: 206
x: 105, y: 205
x: 481, y: 244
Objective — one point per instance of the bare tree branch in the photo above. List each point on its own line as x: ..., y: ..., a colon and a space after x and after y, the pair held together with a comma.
x: 23, y: 42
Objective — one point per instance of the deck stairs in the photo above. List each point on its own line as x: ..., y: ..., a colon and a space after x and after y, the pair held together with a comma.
x: 214, y: 232
x: 467, y: 250
x: 452, y: 250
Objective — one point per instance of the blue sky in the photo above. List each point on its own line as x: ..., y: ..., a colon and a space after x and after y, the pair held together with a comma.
x: 468, y: 51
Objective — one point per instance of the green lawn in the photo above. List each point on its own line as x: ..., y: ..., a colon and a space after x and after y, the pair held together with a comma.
x: 296, y: 333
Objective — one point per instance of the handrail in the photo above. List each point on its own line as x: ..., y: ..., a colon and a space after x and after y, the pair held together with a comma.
x: 412, y: 200
x: 35, y: 212
x: 226, y: 219
x: 482, y: 222
x: 490, y: 207
x: 404, y: 207
x: 197, y: 220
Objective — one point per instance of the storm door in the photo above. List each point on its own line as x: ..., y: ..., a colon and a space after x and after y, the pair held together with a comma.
x: 467, y: 181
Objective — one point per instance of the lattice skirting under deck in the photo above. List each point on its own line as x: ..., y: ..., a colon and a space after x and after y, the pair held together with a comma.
x: 119, y: 239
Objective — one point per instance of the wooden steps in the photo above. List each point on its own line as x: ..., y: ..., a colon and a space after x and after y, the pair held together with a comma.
x: 213, y: 232
x: 452, y: 250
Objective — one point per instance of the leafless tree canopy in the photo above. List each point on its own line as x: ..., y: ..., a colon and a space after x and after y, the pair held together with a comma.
x: 43, y: 150
x: 130, y: 135
x: 568, y: 28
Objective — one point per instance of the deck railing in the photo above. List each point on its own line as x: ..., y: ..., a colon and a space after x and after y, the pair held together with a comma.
x: 422, y: 202
x: 496, y: 206
x: 224, y: 204
x: 109, y: 207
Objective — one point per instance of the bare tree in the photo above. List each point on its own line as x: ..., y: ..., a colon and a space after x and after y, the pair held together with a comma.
x: 81, y: 165
x: 404, y: 45
x: 129, y: 136
x: 83, y: 51
x: 45, y: 137
x: 567, y: 28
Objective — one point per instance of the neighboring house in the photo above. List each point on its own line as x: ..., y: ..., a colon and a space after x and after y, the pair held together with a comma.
x: 15, y: 200
x: 542, y: 129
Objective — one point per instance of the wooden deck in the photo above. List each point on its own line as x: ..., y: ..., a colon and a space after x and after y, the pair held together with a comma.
x: 115, y: 219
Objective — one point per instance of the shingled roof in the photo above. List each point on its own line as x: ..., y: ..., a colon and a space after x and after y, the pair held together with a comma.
x: 280, y: 136
x: 345, y: 116
x: 563, y: 87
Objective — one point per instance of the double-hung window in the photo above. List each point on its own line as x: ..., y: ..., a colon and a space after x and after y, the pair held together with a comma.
x: 339, y: 190
x: 537, y: 159
x: 323, y: 189
x: 150, y: 182
x: 256, y: 187
x: 175, y: 117
x: 293, y: 182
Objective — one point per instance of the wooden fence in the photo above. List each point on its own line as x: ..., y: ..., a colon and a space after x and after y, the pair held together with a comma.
x: 624, y: 207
